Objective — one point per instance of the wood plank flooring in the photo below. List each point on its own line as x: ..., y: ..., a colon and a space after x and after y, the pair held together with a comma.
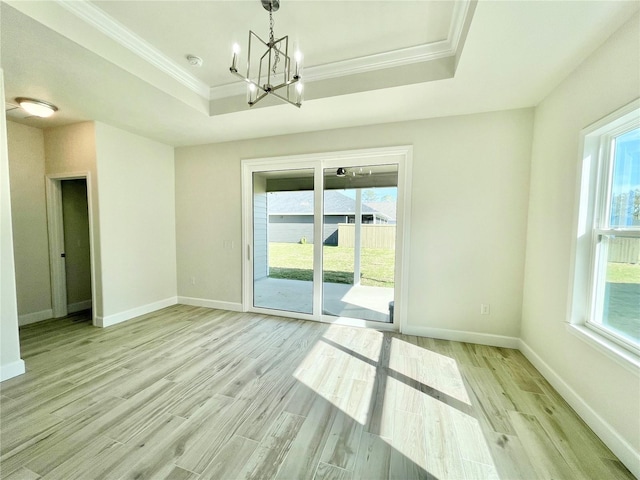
x: 194, y: 393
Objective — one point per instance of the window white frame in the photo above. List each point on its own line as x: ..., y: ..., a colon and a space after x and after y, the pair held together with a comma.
x: 591, y: 224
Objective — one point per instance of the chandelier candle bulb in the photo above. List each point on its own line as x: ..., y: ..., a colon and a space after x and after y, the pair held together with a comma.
x: 251, y: 91
x: 299, y: 88
x: 234, y: 59
x: 298, y: 58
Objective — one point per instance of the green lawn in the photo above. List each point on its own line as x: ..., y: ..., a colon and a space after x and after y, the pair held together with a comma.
x: 623, y: 272
x: 295, y: 261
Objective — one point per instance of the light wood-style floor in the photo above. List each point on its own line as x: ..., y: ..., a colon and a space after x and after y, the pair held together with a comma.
x: 195, y: 393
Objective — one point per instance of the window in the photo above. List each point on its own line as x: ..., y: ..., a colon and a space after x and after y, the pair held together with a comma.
x: 608, y: 250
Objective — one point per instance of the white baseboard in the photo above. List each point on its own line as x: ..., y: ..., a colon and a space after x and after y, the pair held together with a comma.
x: 34, y: 317
x: 11, y: 370
x: 462, y: 336
x: 202, y: 302
x: 79, y: 306
x: 618, y: 445
x: 134, y: 312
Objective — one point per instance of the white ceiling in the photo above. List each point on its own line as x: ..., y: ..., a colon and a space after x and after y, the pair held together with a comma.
x: 124, y: 63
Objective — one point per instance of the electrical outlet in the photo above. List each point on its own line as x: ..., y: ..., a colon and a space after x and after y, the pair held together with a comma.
x: 193, y: 280
x: 485, y: 309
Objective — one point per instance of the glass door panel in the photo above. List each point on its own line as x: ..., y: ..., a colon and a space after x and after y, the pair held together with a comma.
x: 359, y: 230
x: 283, y: 219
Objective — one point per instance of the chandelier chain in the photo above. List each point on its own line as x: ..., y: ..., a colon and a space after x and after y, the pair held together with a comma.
x: 272, y: 41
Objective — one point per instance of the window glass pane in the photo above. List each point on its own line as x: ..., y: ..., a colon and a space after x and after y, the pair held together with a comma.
x: 625, y: 185
x: 620, y: 297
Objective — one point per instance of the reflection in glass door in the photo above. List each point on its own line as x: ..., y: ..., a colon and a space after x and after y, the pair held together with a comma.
x: 283, y: 230
x: 359, y: 226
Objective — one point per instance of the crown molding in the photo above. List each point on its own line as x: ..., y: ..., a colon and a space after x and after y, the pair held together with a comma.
x: 459, y: 16
x: 379, y: 61
x: 368, y: 63
x: 106, y: 24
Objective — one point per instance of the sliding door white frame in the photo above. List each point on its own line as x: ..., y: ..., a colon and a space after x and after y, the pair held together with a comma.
x: 400, y: 155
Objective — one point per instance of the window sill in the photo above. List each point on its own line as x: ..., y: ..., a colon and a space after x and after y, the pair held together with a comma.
x: 620, y: 355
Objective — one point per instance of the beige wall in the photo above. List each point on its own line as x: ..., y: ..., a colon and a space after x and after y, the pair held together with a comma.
x: 29, y: 213
x: 133, y: 230
x: 469, y: 207
x: 136, y: 179
x: 71, y: 150
x: 10, y: 362
x: 597, y: 386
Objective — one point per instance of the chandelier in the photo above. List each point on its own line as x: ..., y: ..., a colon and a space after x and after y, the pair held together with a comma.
x: 272, y: 73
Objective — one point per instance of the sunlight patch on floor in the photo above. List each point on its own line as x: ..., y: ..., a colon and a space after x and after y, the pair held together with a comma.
x: 410, y: 398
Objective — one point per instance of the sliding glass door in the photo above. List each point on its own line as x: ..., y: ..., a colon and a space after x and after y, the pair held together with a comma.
x: 359, y: 224
x: 283, y: 219
x: 321, y: 236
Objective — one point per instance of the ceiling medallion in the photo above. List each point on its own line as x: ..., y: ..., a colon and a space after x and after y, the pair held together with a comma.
x: 272, y: 73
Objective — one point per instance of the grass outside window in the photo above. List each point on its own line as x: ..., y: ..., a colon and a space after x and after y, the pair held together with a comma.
x: 295, y: 262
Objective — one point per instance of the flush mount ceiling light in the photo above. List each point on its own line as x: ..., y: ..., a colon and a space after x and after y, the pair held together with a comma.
x: 276, y: 74
x: 37, y: 108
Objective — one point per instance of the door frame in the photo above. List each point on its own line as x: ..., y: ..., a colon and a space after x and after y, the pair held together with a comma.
x: 55, y: 224
x: 401, y: 155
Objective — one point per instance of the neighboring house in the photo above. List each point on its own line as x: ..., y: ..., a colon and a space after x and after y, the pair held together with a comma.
x: 291, y: 215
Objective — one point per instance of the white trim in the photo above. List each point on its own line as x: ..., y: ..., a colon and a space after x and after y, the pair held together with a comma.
x: 109, y: 26
x: 459, y: 16
x: 623, y: 357
x: 135, y: 312
x: 79, y: 306
x: 217, y: 304
x: 403, y: 235
x: 53, y: 191
x: 106, y: 24
x: 35, y: 317
x: 369, y: 63
x: 591, y: 179
x: 463, y: 336
x: 618, y: 445
x: 11, y: 370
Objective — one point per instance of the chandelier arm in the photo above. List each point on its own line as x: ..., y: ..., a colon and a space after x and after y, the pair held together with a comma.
x: 284, y: 99
x: 251, y: 104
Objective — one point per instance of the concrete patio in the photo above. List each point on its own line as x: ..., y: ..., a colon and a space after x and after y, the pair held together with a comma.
x: 341, y: 300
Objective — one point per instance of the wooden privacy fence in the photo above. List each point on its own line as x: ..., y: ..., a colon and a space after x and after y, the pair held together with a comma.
x: 372, y: 236
x: 624, y: 250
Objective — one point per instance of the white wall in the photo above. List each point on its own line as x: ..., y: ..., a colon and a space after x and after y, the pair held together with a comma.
x: 10, y: 362
x: 136, y: 180
x: 602, y: 391
x: 29, y: 213
x: 469, y: 206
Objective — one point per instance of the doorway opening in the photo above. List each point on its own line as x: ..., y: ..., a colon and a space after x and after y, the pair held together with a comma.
x: 325, y: 236
x: 70, y: 244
